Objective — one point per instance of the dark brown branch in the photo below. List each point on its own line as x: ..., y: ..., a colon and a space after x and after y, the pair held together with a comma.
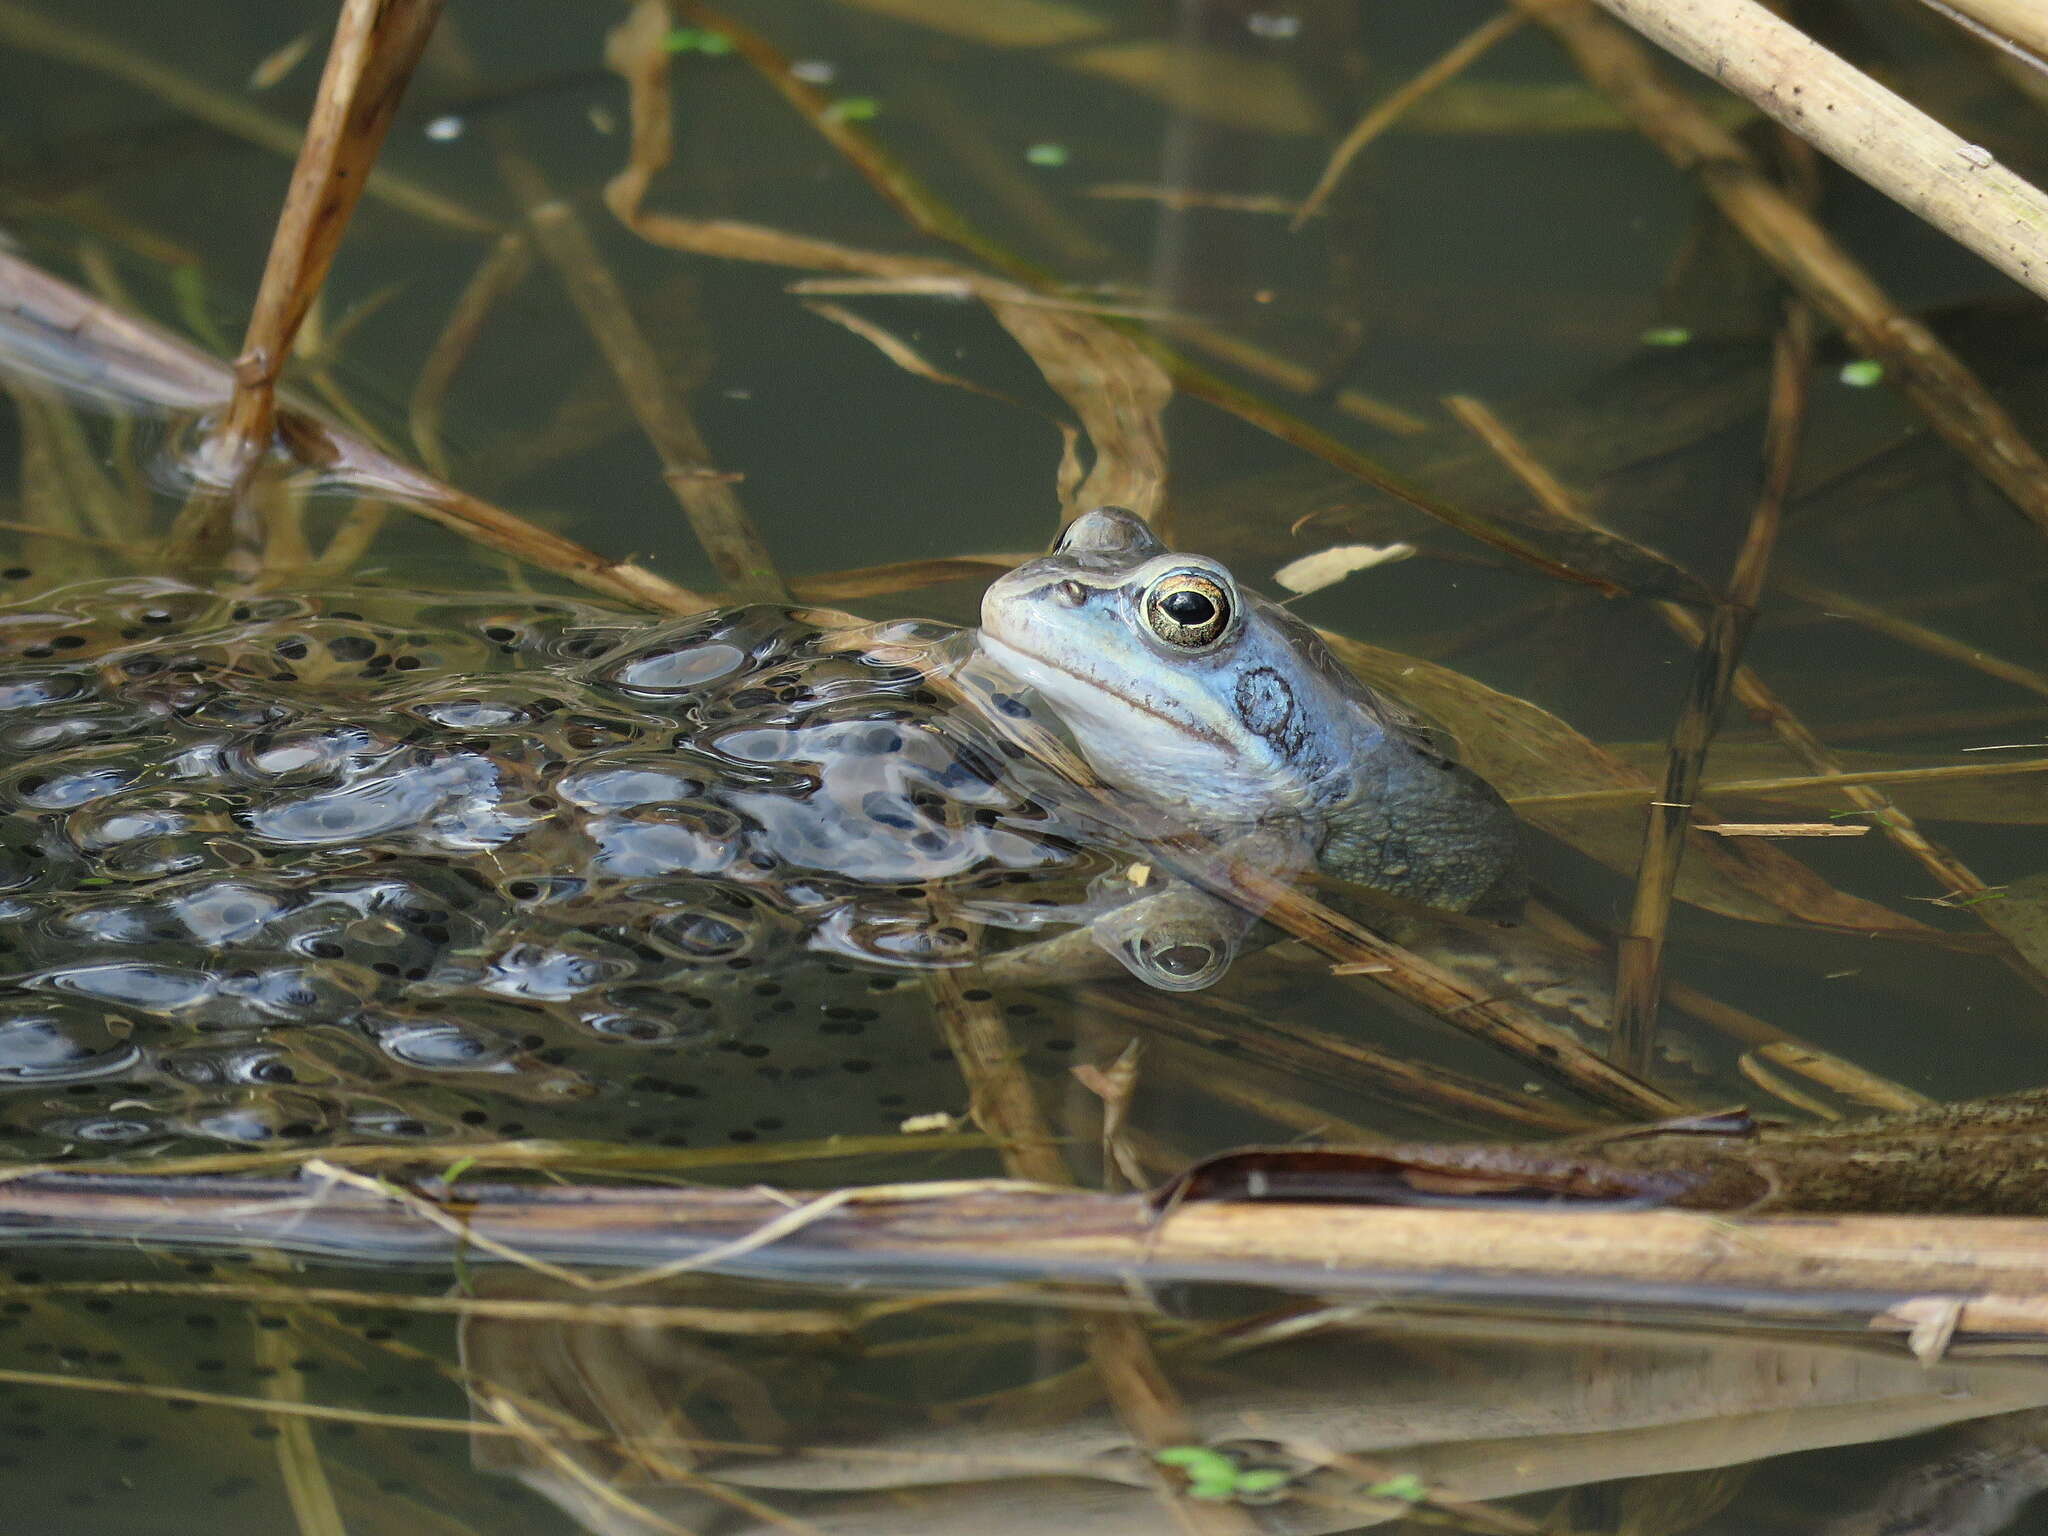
x: 1639, y: 954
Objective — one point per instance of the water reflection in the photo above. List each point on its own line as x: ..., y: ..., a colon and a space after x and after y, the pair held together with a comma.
x: 1332, y: 1419
x: 735, y: 1408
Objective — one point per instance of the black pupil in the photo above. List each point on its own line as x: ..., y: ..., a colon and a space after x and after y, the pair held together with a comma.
x: 1189, y: 608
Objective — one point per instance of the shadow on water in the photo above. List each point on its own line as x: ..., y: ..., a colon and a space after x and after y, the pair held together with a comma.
x: 456, y: 848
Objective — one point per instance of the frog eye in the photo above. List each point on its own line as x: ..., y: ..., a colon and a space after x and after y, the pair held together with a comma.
x: 1109, y: 531
x: 1188, y: 609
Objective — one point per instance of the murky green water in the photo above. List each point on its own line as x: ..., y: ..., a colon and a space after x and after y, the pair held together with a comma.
x: 379, y: 839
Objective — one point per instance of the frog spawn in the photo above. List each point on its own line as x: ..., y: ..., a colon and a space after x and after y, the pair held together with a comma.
x: 379, y: 866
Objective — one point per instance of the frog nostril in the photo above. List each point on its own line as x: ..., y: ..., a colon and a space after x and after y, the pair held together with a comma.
x: 1072, y: 593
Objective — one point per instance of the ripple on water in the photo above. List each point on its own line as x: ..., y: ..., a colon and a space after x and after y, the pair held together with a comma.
x: 56, y: 1044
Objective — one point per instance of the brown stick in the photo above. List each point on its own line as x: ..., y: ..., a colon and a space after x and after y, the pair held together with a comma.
x: 1302, y: 1053
x: 1820, y: 779
x: 366, y: 468
x: 496, y: 275
x: 1501, y: 1022
x: 1875, y: 1272
x: 1920, y: 636
x: 1853, y: 1082
x: 1289, y: 375
x: 1937, y: 383
x: 1007, y: 1108
x: 1639, y: 952
x: 895, y: 181
x: 1860, y: 790
x: 704, y: 492
x: 2019, y: 26
x: 376, y: 45
x: 74, y: 337
x: 1387, y: 111
x: 929, y: 214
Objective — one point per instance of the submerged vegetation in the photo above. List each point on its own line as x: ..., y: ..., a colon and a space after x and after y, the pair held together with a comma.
x: 432, y: 1042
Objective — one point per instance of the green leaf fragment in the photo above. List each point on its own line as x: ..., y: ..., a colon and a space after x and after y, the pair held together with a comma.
x: 1048, y: 155
x: 853, y: 109
x: 1198, y: 1461
x: 1262, y: 1480
x: 696, y: 40
x: 1862, y: 373
x: 1406, y: 1487
x: 1665, y: 336
x: 1215, y: 1475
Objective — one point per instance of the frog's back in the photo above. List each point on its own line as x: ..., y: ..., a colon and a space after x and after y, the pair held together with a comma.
x: 1415, y: 823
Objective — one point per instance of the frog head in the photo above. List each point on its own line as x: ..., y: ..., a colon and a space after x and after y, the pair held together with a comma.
x: 1178, y: 684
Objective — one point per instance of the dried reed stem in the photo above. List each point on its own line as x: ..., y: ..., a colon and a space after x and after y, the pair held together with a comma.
x: 1301, y: 1053
x: 1952, y: 184
x: 705, y: 493
x: 259, y: 1405
x: 285, y: 1291
x: 1789, y: 783
x: 1857, y: 1269
x: 501, y: 271
x: 1290, y: 375
x: 1920, y: 636
x: 1639, y: 951
x: 1389, y: 109
x: 1937, y: 383
x: 1006, y: 1106
x: 1854, y: 1082
x: 376, y: 45
x: 366, y: 468
x: 1951, y: 874
x: 2018, y: 26
x: 299, y: 1465
x: 1501, y: 1022
x: 896, y: 182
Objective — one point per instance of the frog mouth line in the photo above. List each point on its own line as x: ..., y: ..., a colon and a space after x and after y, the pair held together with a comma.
x: 1000, y: 648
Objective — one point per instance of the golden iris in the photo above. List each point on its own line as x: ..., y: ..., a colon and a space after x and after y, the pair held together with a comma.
x: 1188, y: 609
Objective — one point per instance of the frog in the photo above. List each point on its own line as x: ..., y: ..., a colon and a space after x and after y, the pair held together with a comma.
x: 1188, y: 690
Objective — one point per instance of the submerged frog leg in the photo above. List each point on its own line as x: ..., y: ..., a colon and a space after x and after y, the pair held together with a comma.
x: 1179, y: 940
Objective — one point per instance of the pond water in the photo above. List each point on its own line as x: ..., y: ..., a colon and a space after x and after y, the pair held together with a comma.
x: 354, y: 838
